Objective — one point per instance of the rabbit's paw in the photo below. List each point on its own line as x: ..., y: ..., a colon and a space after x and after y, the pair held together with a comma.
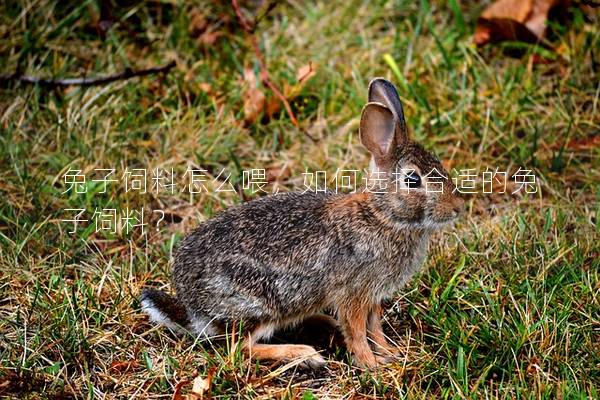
x: 308, y: 356
x: 385, y: 359
x: 387, y: 352
x: 315, y: 361
x: 368, y: 362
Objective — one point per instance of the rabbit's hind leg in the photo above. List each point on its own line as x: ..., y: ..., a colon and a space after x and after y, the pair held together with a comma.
x: 306, y: 355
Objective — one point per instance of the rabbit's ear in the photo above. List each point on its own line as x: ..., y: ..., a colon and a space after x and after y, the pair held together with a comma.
x: 383, y: 91
x: 377, y: 131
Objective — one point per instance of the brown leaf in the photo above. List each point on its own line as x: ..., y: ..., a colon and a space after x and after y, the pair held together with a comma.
x: 254, y: 98
x: 198, y: 23
x: 584, y: 144
x: 303, y: 75
x: 277, y: 172
x: 206, y: 28
x: 306, y: 72
x: 123, y: 366
x: 533, y: 366
x: 517, y: 10
x: 209, y: 37
x: 498, y: 30
x: 201, y: 385
x: 250, y: 77
x: 503, y: 184
x: 536, y: 22
x: 273, y: 106
x: 177, y: 393
x: 520, y: 20
x: 205, y: 87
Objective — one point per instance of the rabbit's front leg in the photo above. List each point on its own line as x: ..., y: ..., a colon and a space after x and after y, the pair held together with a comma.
x: 377, y: 336
x: 353, y: 321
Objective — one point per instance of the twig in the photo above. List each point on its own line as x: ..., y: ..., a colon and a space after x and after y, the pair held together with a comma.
x: 264, y: 74
x: 270, y: 7
x: 126, y: 74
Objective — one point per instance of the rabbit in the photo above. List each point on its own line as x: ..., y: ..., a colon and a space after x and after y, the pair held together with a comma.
x: 274, y: 261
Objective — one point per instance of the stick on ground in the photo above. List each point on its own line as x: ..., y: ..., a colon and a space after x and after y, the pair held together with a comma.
x: 126, y: 74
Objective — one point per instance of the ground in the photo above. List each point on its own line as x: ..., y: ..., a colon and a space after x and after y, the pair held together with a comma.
x: 507, y: 305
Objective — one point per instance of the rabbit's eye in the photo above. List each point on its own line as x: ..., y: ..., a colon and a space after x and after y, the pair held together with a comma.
x: 412, y: 180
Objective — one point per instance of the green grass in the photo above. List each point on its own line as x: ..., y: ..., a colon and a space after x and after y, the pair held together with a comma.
x: 509, y: 303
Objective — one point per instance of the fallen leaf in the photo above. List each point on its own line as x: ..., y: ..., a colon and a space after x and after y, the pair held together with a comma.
x: 273, y: 106
x: 198, y: 23
x: 177, y: 393
x: 250, y: 77
x: 209, y: 37
x: 498, y: 30
x: 206, y: 28
x: 254, y: 98
x: 534, y: 366
x: 503, y: 185
x: 303, y: 75
x: 205, y: 87
x: 517, y: 10
x: 201, y: 385
x: 277, y: 172
x: 517, y: 20
x: 584, y: 144
x: 122, y: 366
x: 536, y: 22
x: 306, y: 72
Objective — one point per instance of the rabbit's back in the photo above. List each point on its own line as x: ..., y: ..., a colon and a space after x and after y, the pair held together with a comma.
x: 258, y: 260
x: 269, y: 229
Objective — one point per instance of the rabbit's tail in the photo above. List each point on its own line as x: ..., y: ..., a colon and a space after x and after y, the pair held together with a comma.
x: 164, y: 309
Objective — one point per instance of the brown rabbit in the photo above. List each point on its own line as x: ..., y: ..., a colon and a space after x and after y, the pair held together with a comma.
x: 272, y: 262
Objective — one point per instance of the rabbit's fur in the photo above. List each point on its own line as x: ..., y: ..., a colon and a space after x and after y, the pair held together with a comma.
x: 277, y: 260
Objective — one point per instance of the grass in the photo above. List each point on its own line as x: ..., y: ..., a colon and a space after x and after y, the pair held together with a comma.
x: 508, y: 304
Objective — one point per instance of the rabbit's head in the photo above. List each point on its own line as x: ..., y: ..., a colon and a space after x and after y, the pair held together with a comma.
x: 418, y: 190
